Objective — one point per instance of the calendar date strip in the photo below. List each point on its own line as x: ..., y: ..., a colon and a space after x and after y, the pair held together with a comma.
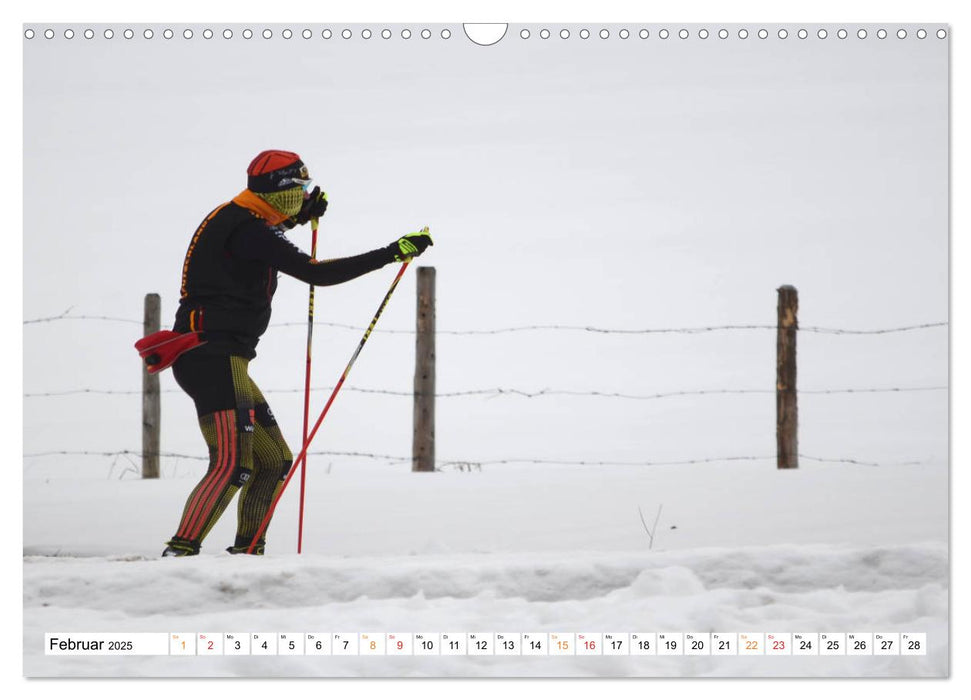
x: 486, y: 644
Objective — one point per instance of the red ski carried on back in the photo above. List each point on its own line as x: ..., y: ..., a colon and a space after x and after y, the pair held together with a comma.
x: 160, y: 350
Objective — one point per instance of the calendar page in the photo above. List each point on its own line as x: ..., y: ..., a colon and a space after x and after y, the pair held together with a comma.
x: 612, y: 349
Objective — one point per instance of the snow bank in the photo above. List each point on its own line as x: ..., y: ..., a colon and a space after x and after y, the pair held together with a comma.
x: 809, y: 589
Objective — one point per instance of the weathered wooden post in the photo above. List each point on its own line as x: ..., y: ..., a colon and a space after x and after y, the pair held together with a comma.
x: 787, y: 410
x: 423, y: 445
x: 151, y: 399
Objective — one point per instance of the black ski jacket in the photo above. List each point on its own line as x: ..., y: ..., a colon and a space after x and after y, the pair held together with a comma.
x: 230, y: 274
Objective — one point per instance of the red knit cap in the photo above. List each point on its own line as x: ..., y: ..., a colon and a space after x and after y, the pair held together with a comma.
x: 272, y: 171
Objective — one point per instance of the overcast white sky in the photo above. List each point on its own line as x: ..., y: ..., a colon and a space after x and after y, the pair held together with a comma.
x: 618, y: 183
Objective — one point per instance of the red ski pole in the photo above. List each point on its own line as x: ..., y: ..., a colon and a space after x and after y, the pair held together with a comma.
x: 301, y: 458
x: 306, y: 390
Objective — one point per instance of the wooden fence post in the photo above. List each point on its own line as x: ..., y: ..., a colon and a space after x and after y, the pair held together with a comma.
x: 151, y: 399
x: 787, y: 410
x: 423, y: 445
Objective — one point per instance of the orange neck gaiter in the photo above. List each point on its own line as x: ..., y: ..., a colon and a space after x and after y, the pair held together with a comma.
x: 260, y: 207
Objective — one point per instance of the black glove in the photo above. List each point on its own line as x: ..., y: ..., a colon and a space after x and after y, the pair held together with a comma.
x: 313, y: 207
x: 410, y: 245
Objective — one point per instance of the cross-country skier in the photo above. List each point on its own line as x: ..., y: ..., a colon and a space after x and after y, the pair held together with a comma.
x: 228, y: 280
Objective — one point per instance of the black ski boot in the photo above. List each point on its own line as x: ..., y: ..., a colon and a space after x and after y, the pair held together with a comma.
x: 178, y: 547
x: 243, y: 543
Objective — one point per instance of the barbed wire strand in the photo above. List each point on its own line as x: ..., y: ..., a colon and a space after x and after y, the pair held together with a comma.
x: 877, y: 331
x: 81, y: 317
x: 542, y: 327
x: 197, y: 457
x: 511, y: 460
x: 502, y: 391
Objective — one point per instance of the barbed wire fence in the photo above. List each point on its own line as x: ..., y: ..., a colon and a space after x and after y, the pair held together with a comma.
x: 508, y: 391
x: 67, y: 316
x: 399, y: 459
x: 123, y: 460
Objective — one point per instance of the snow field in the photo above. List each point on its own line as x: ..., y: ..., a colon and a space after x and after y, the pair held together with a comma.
x: 825, y: 548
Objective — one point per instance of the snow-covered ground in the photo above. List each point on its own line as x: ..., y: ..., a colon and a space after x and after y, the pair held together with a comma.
x: 738, y: 548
